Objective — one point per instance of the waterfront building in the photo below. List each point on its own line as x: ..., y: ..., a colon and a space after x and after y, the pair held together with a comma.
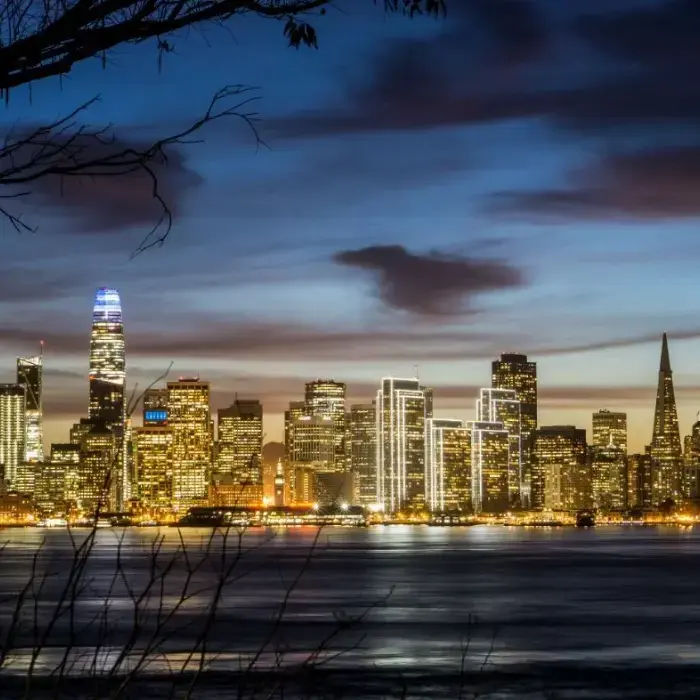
x: 190, y: 420
x: 639, y: 480
x: 561, y: 468
x: 29, y: 375
x: 326, y: 398
x: 99, y: 453
x: 240, y: 437
x: 514, y: 371
x: 502, y: 406
x: 363, y: 452
x: 56, y: 480
x: 67, y: 454
x: 227, y: 491
x: 609, y: 477
x: 296, y: 410
x: 153, y: 465
x: 691, y: 463
x: 667, y: 464
x: 107, y: 377
x: 12, y: 431
x: 490, y: 461
x: 609, y: 430
x: 25, y: 478
x: 403, y: 406
x: 304, y: 485
x: 280, y: 485
x: 448, y: 459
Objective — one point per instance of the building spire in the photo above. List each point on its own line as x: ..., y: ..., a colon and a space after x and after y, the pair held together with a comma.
x: 665, y: 364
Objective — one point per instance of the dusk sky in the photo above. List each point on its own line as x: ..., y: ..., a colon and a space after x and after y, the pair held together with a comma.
x: 519, y: 176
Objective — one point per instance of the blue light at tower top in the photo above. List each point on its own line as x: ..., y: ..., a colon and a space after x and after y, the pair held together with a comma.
x: 107, y: 308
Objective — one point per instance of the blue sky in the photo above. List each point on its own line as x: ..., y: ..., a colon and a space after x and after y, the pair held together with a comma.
x: 431, y: 193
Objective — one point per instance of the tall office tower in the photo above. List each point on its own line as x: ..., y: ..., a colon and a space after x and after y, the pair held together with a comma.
x: 155, y: 407
x: 561, y: 471
x: 639, y: 480
x: 107, y: 379
x: 448, y: 455
x: 326, y: 397
x: 240, y: 433
x: 403, y: 406
x: 363, y: 452
x: 609, y: 430
x: 99, y: 451
x: 691, y: 462
x: 29, y: 371
x: 609, y: 477
x: 153, y: 453
x: 25, y: 478
x: 190, y: 420
x: 513, y: 371
x: 12, y: 431
x: 304, y: 485
x: 295, y: 411
x: 503, y: 406
x: 490, y: 460
x: 666, y: 440
x: 56, y: 481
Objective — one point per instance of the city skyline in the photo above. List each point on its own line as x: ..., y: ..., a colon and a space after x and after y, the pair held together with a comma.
x: 452, y: 401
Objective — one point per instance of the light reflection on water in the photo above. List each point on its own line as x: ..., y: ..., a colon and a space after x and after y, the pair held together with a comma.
x: 617, y: 597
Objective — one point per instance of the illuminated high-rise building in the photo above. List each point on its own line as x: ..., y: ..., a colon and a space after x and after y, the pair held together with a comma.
x: 240, y: 437
x: 155, y: 407
x: 153, y: 466
x: 691, y: 463
x: 99, y: 451
x: 190, y: 419
x: 29, y: 375
x: 639, y: 480
x: 448, y: 454
x: 503, y: 406
x: 107, y: 376
x: 67, y: 454
x: 490, y: 462
x: 562, y: 469
x: 609, y: 477
x: 403, y: 406
x: 363, y: 452
x: 609, y: 430
x: 513, y: 371
x: 295, y: 411
x: 326, y: 398
x: 12, y: 430
x: 666, y: 441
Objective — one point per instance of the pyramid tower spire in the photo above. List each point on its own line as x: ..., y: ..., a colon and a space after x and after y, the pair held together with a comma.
x: 666, y: 441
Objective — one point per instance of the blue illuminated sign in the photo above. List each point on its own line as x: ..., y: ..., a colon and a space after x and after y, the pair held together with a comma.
x: 155, y: 416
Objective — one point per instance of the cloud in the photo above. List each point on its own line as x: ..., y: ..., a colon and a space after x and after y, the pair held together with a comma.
x: 430, y: 284
x: 115, y: 202
x: 580, y: 69
x: 649, y: 184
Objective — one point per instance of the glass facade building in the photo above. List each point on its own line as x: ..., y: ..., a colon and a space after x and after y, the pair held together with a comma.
x: 448, y: 460
x: 29, y: 375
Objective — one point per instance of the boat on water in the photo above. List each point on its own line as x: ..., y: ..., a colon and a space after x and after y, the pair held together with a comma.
x: 585, y: 518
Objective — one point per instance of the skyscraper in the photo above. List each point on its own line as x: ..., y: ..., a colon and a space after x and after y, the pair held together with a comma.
x: 691, y: 462
x: 363, y: 451
x: 12, y: 430
x: 155, y: 407
x: 326, y: 398
x: 240, y: 436
x: 561, y: 474
x: 609, y: 477
x: 639, y: 480
x: 610, y: 429
x: 490, y: 460
x: 502, y: 406
x: 403, y: 406
x: 107, y: 379
x: 29, y: 371
x: 666, y: 441
x: 107, y: 360
x: 513, y: 371
x: 448, y: 455
x: 190, y: 420
x: 153, y: 466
